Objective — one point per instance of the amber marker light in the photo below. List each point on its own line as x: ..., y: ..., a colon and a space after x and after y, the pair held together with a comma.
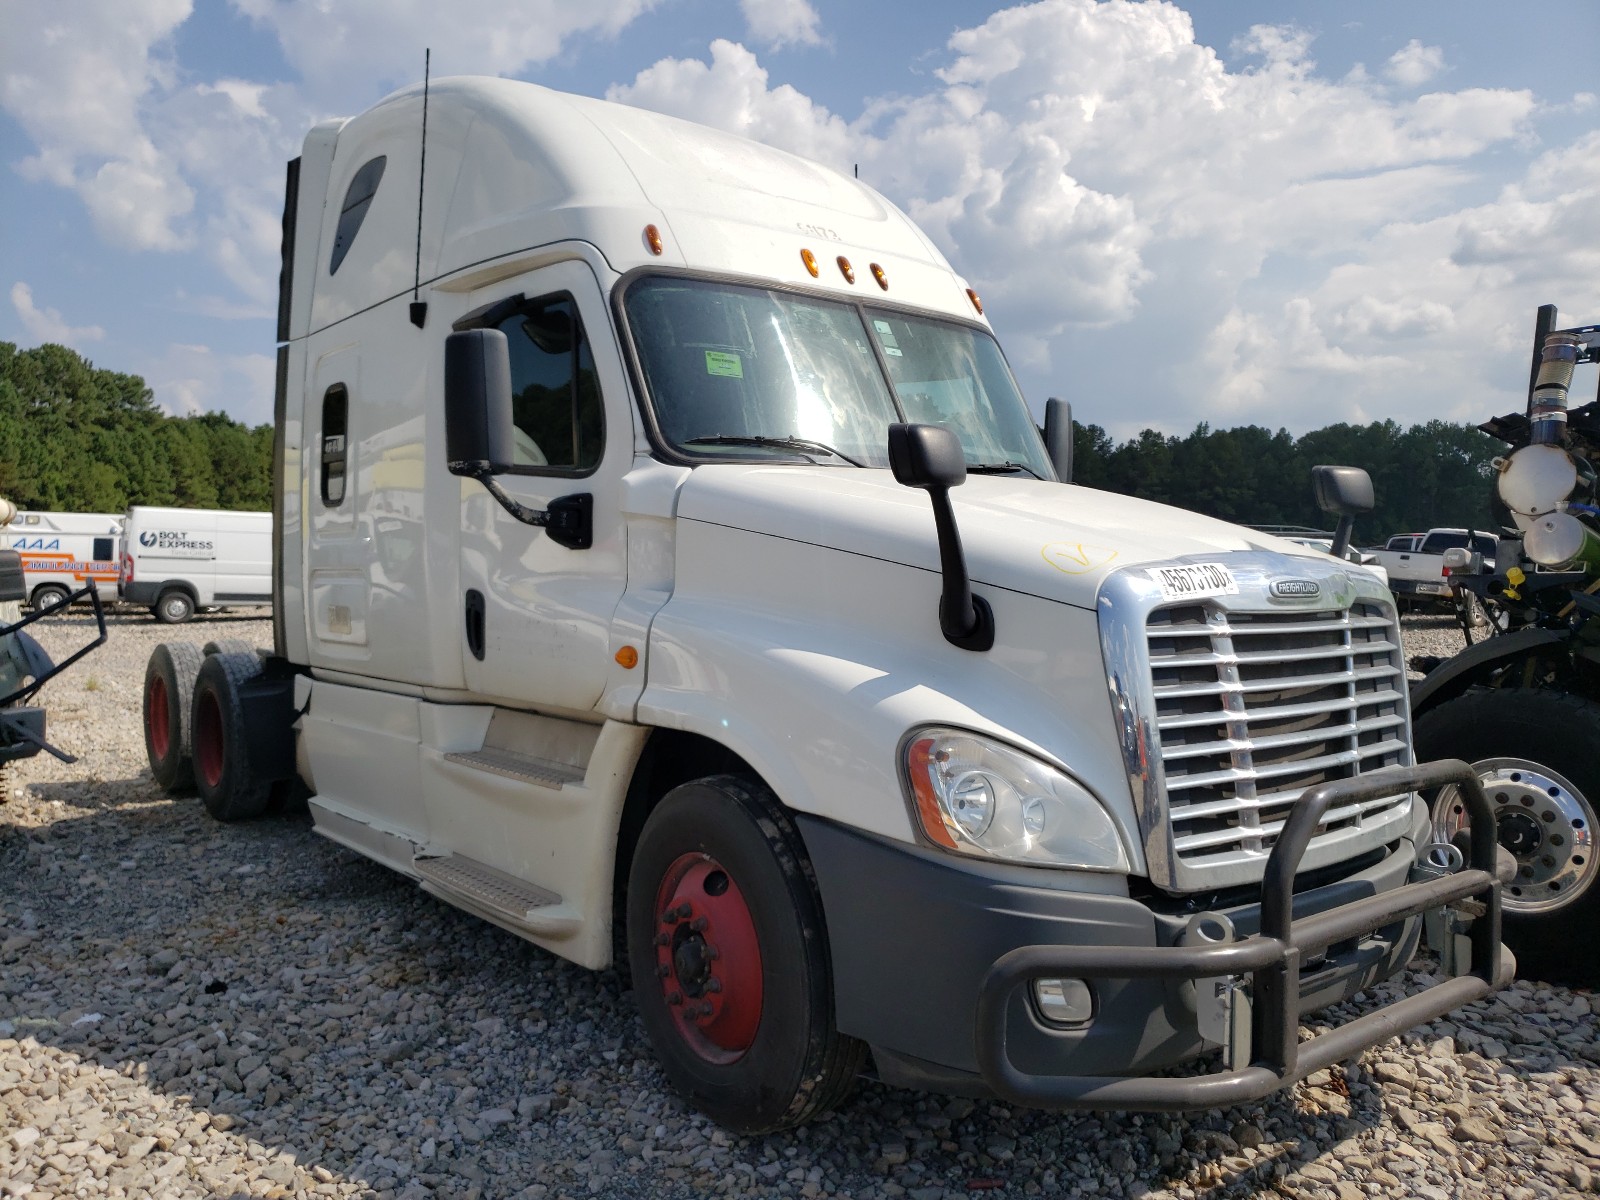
x: 628, y: 658
x: 976, y: 303
x: 846, y: 269
x: 652, y: 238
x: 810, y: 261
x: 882, y: 278
x: 922, y: 765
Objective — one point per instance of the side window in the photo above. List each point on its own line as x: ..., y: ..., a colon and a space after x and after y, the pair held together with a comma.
x: 555, y: 393
x: 357, y: 199
x: 102, y: 549
x: 335, y: 412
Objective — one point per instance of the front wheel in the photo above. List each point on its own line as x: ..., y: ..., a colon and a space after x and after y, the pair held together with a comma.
x: 729, y: 958
x: 49, y: 595
x: 1537, y: 755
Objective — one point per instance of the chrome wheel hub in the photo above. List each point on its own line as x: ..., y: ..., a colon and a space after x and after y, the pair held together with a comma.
x: 1545, y: 823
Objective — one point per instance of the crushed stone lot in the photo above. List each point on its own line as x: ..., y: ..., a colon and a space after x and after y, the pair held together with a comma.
x: 189, y: 1009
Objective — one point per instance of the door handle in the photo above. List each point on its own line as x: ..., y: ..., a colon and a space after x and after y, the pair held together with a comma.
x: 475, y: 615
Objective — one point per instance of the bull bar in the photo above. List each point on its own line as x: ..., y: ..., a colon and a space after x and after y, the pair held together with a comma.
x: 1271, y: 959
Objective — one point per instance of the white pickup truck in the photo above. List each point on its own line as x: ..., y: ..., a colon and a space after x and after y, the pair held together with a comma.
x: 1415, y: 563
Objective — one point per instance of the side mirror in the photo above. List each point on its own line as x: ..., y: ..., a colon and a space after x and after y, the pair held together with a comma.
x: 477, y: 403
x: 930, y: 457
x: 1058, y: 437
x: 1346, y: 491
x: 478, y: 433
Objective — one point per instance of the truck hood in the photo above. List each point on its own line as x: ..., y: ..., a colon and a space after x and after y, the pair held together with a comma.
x: 1044, y: 539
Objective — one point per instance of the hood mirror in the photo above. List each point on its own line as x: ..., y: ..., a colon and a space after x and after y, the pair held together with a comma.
x: 930, y: 457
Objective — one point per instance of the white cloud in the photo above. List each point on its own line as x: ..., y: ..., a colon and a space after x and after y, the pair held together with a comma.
x: 74, y: 78
x: 1091, y: 167
x: 350, y: 53
x: 776, y: 23
x: 188, y: 379
x: 1414, y: 64
x: 47, y: 324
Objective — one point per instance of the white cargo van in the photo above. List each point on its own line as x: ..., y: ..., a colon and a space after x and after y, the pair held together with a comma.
x: 64, y: 552
x: 176, y: 561
x: 623, y: 569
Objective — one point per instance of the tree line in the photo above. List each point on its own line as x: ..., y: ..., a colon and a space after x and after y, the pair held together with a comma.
x: 76, y: 438
x: 1436, y: 473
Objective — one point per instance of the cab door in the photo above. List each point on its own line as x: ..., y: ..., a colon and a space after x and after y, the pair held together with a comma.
x: 534, y: 615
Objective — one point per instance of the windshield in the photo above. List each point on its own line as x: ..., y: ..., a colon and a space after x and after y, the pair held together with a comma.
x: 737, y: 371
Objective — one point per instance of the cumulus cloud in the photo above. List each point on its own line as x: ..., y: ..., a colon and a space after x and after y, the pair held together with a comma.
x: 189, y: 379
x: 1110, y: 184
x: 1414, y: 64
x: 343, y: 51
x: 74, y: 77
x: 776, y: 23
x: 47, y: 324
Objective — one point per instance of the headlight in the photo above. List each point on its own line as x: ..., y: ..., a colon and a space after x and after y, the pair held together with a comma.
x: 978, y: 796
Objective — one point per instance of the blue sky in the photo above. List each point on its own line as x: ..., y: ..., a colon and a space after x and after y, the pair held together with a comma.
x: 1286, y: 214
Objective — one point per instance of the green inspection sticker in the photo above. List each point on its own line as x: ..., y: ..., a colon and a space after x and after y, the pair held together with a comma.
x: 719, y: 362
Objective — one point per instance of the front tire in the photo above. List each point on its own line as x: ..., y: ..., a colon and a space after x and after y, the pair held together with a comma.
x: 229, y: 786
x: 1537, y: 755
x: 49, y: 595
x: 729, y: 958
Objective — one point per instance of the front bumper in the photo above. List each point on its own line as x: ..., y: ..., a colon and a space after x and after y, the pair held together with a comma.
x: 1437, y: 591
x: 932, y: 961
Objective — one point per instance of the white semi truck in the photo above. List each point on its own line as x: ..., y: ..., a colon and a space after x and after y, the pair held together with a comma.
x: 623, y: 576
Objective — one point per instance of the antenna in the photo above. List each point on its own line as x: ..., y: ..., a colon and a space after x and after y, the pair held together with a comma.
x: 419, y: 308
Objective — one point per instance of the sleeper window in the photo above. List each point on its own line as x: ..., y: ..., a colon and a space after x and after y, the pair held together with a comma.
x: 555, y: 404
x: 357, y: 199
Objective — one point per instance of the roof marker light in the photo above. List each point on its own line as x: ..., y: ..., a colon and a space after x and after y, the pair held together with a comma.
x: 976, y: 303
x: 810, y: 261
x: 880, y: 276
x: 846, y: 269
x: 627, y: 658
x: 652, y: 238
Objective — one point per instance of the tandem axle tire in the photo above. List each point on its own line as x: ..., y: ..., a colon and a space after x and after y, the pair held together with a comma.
x: 229, y: 785
x: 168, y: 697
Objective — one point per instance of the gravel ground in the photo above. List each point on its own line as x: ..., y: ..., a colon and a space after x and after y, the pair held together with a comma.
x: 193, y: 1010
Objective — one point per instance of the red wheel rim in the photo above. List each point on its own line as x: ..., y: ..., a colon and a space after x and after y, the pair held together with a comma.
x: 708, y: 958
x: 208, y: 739
x: 158, y: 719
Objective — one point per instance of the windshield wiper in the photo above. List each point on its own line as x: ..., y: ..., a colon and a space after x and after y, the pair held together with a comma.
x: 782, y: 443
x: 1000, y: 468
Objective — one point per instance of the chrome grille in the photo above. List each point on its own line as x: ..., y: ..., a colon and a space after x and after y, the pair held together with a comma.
x: 1253, y: 708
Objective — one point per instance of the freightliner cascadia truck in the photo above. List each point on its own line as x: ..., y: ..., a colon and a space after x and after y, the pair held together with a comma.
x: 669, y: 571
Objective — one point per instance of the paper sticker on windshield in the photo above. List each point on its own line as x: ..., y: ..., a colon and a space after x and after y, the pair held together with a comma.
x: 720, y: 362
x: 886, y: 338
x: 1189, y: 583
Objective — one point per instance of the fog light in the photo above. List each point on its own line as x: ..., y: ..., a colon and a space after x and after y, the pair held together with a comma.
x: 1064, y: 1002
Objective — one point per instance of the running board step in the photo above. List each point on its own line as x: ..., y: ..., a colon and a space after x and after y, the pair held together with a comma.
x: 518, y: 766
x: 484, y: 888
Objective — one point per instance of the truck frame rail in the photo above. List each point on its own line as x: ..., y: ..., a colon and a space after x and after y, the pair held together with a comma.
x: 1271, y: 961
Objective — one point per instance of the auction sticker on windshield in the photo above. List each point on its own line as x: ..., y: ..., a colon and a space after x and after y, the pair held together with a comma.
x: 1196, y: 580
